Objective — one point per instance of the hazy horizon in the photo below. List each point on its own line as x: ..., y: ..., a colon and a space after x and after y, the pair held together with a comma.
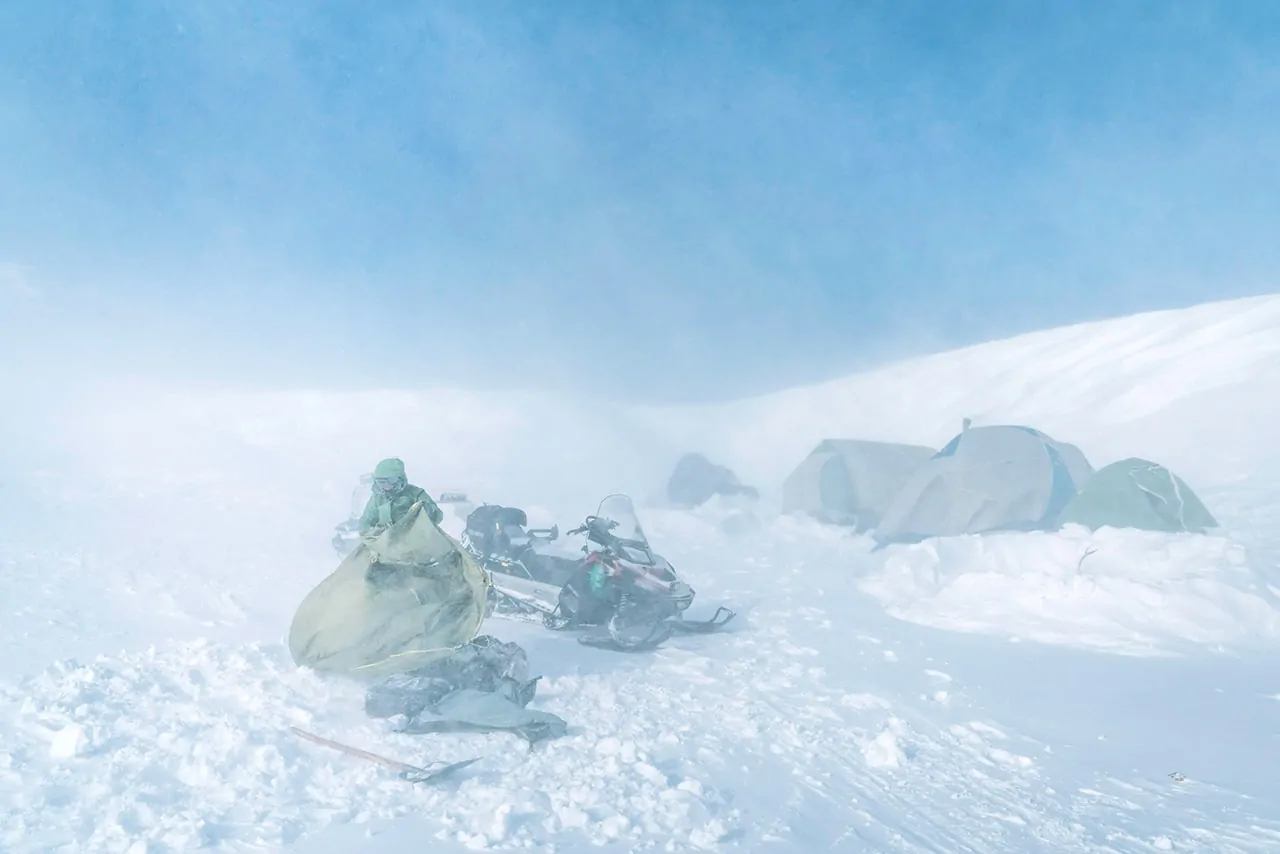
x: 700, y: 203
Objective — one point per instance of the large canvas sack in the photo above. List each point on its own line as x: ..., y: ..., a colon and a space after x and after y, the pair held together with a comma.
x: 404, y: 598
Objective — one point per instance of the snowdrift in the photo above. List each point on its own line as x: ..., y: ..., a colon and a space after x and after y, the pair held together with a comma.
x: 1126, y: 591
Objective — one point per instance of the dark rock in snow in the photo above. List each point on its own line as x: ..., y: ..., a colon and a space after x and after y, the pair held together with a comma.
x: 696, y: 480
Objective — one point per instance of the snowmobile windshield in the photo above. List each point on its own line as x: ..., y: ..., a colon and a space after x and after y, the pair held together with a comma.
x: 360, y: 495
x: 634, y: 545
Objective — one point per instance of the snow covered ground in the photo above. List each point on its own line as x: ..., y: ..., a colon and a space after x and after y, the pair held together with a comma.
x: 1137, y: 592
x: 1013, y: 693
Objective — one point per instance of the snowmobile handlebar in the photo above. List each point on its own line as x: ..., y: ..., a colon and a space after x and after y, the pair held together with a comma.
x: 596, y: 525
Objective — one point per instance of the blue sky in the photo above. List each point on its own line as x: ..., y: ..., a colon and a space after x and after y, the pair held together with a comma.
x: 696, y: 199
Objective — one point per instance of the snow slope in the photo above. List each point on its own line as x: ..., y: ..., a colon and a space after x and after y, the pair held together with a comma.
x: 153, y: 550
x: 1193, y: 388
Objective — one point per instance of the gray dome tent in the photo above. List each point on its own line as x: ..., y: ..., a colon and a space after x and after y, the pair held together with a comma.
x: 851, y: 481
x: 987, y: 479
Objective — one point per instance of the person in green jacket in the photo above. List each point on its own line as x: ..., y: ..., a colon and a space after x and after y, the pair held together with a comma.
x: 392, y: 497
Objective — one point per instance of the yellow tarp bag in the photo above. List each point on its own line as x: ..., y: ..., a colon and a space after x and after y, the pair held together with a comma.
x: 407, y: 596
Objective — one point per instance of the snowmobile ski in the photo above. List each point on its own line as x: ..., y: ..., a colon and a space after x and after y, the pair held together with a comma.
x: 512, y: 604
x: 606, y: 638
x: 405, y: 771
x: 705, y: 626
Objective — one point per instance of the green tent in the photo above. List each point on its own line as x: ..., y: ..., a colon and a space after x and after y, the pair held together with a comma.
x: 1136, y: 493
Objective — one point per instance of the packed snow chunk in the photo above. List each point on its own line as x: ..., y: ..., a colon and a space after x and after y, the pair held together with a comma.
x: 863, y: 702
x: 572, y: 817
x: 70, y: 741
x: 499, y: 826
x: 1126, y: 591
x: 1004, y: 757
x: 885, y: 750
x: 709, y: 836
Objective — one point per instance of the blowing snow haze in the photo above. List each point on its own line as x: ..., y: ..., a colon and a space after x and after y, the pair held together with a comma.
x: 972, y: 297
x: 703, y: 200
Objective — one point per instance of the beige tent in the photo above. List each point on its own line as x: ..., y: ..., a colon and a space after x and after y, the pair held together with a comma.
x: 851, y: 481
x: 405, y: 597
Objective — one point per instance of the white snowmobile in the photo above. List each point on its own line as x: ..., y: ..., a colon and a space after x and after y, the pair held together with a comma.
x: 627, y: 596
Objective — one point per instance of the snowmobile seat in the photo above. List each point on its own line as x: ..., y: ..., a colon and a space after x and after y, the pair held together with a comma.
x: 490, y: 515
x: 498, y: 530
